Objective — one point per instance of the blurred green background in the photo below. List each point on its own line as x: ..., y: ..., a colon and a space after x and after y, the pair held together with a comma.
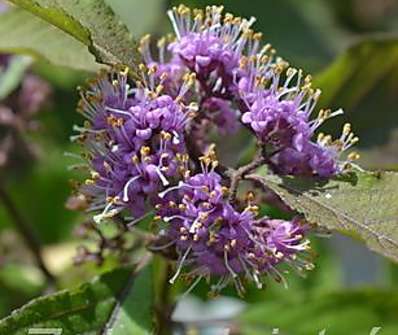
x: 350, y: 47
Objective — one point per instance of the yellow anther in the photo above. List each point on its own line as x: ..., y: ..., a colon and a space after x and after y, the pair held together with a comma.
x: 257, y: 36
x: 353, y: 156
x: 142, y: 67
x: 89, y: 182
x: 250, y: 196
x: 125, y: 71
x: 205, y: 189
x: 321, y: 136
x: 308, y: 79
x: 135, y: 159
x: 145, y: 150
x: 159, y: 89
x: 145, y: 39
x: 166, y: 135
x: 153, y: 69
x: 203, y: 215
x: 347, y: 129
x: 327, y: 139
x: 94, y: 175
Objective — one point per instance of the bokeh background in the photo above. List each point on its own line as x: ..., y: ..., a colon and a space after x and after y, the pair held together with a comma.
x: 349, y: 46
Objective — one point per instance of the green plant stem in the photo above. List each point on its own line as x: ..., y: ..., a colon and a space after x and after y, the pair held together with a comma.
x: 26, y: 231
x: 163, y: 305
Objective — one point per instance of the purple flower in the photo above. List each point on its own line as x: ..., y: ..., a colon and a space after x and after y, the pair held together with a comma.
x: 320, y: 158
x: 167, y: 66
x: 212, y: 238
x: 211, y: 45
x: 279, y: 113
x: 144, y: 140
x: 135, y: 139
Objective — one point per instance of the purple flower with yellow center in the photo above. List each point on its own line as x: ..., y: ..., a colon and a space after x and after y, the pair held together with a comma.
x: 135, y: 139
x: 165, y: 63
x: 214, y: 239
x: 279, y: 113
x: 211, y: 45
x: 144, y: 140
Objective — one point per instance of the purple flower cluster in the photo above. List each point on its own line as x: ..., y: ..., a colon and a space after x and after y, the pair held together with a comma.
x: 211, y: 237
x: 135, y: 138
x: 279, y: 113
x: 147, y: 138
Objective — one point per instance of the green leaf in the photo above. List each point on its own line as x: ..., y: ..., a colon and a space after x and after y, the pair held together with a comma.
x: 96, y: 307
x: 140, y: 17
x: 361, y: 204
x: 40, y: 39
x: 93, y: 23
x: 11, y: 77
x: 357, y: 71
x: 354, y: 312
x: 133, y: 315
x: 363, y: 80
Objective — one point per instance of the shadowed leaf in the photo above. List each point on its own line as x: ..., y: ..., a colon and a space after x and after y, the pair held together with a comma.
x: 361, y: 204
x: 357, y: 71
x: 345, y: 312
x: 363, y: 81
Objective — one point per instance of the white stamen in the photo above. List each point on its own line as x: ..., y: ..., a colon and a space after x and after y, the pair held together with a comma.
x: 126, y: 188
x: 180, y: 265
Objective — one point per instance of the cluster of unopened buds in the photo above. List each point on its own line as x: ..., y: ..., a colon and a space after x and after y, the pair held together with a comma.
x: 149, y: 147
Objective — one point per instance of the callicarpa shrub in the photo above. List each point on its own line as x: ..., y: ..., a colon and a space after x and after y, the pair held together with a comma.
x: 149, y: 145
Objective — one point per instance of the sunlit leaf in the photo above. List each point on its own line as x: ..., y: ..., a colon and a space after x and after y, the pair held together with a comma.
x: 133, y: 315
x: 40, y: 39
x: 93, y: 23
x: 89, y: 309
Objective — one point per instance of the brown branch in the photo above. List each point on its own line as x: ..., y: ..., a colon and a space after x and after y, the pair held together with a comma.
x: 239, y: 174
x: 26, y: 232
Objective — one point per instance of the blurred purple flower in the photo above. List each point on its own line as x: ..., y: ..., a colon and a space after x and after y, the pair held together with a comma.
x: 17, y: 115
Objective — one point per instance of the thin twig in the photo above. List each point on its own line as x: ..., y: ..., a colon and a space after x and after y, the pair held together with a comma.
x: 239, y: 174
x: 26, y: 231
